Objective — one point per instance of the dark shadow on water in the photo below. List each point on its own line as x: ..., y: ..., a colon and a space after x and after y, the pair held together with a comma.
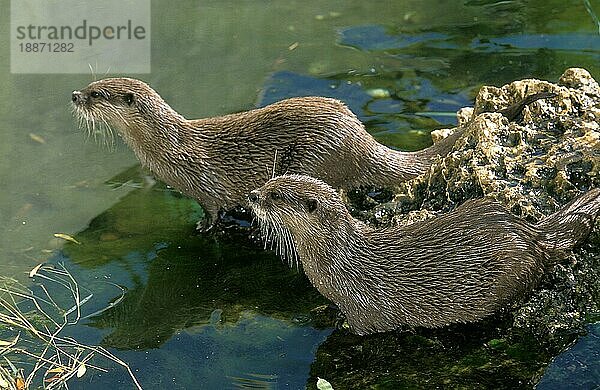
x: 471, y: 356
x: 177, y: 278
x: 184, y: 289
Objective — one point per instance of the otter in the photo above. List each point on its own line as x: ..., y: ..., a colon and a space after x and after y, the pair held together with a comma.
x: 219, y: 160
x: 457, y: 267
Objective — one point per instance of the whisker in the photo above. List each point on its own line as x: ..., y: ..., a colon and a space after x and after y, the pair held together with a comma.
x: 96, y: 125
x: 274, y: 164
x: 92, y: 71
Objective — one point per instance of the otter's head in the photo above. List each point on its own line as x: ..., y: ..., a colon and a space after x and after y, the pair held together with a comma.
x: 128, y: 105
x: 293, y: 210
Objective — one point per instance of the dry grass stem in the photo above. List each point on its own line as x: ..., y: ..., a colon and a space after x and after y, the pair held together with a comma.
x: 33, y: 352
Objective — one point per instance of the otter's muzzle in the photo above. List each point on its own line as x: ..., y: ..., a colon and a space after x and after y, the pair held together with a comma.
x: 77, y: 97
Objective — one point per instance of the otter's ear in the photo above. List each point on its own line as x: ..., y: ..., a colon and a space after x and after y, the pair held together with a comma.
x: 128, y: 98
x: 311, y: 205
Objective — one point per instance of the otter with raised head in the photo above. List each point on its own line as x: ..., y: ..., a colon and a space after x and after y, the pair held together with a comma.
x: 457, y: 267
x: 218, y: 161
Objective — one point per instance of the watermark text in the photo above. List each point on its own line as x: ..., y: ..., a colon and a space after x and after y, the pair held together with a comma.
x: 70, y: 36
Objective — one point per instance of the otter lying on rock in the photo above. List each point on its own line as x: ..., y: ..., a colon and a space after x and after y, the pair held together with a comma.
x: 219, y: 160
x: 457, y: 267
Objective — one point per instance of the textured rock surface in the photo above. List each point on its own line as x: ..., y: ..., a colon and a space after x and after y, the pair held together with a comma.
x: 533, y: 166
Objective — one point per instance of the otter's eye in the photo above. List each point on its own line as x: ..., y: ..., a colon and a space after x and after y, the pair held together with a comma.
x: 275, y: 195
x: 95, y: 94
x: 311, y: 205
x: 128, y: 98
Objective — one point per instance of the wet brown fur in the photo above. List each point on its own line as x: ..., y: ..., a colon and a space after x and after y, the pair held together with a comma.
x: 218, y: 161
x: 457, y: 267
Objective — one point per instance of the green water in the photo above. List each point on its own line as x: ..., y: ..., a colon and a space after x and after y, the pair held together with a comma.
x: 216, y: 312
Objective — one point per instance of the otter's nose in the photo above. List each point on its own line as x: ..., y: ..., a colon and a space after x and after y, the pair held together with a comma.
x: 253, y: 197
x: 76, y: 97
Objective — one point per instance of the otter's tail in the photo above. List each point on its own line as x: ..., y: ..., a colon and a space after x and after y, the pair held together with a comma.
x: 567, y: 227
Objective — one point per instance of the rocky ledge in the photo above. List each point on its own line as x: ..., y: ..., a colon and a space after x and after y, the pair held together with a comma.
x: 533, y: 166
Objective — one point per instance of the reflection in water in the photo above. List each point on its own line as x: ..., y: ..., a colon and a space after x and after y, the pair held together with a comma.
x: 473, y: 356
x: 218, y: 305
x: 578, y: 367
x: 384, y: 117
x: 576, y: 43
x: 376, y: 38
